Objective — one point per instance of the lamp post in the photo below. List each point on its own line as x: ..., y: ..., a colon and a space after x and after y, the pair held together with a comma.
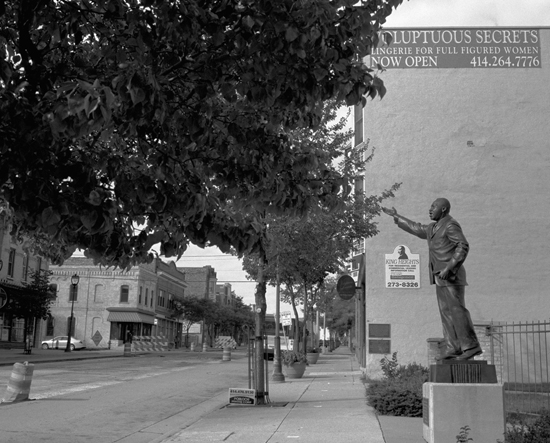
x: 74, y: 283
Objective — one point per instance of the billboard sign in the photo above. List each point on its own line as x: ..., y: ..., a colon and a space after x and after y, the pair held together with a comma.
x: 458, y: 48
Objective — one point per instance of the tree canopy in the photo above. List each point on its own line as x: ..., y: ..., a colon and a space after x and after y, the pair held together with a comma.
x: 128, y: 123
x: 35, y: 300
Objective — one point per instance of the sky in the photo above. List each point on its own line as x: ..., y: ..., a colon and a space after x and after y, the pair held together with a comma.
x: 412, y: 13
x: 466, y: 13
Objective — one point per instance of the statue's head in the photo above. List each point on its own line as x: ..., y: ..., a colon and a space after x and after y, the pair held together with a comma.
x: 440, y: 208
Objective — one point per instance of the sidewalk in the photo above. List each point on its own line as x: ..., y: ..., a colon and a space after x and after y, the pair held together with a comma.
x: 327, y: 405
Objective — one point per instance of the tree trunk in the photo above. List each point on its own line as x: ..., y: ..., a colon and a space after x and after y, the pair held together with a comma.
x: 261, y: 306
x: 304, y: 336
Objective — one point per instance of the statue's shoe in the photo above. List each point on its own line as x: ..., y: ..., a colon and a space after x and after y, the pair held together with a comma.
x: 449, y: 355
x: 470, y: 353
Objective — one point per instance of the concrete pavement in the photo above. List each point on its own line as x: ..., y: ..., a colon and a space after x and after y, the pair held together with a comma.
x: 327, y: 405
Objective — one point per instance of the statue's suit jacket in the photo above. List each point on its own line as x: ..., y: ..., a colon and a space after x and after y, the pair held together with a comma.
x: 447, y: 246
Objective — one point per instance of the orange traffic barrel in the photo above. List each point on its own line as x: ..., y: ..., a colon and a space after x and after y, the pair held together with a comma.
x: 127, y: 349
x: 19, y: 385
x: 226, y: 354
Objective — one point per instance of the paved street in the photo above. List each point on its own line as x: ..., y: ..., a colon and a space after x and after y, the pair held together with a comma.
x: 132, y: 399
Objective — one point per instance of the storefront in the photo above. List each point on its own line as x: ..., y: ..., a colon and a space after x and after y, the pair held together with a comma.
x: 126, y: 323
x: 11, y: 329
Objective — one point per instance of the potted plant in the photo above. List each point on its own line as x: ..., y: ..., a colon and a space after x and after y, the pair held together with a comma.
x: 312, y: 355
x: 294, y: 363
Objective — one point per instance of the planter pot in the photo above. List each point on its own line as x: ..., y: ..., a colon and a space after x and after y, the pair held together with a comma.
x: 295, y: 370
x: 312, y: 357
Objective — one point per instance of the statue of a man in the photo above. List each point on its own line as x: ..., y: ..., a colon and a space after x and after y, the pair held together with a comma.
x: 448, y: 249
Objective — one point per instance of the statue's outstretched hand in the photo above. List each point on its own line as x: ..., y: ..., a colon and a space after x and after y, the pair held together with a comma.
x: 391, y: 212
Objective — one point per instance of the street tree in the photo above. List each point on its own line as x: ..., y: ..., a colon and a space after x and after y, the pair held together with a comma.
x: 191, y: 310
x: 341, y: 316
x: 34, y: 301
x: 127, y: 124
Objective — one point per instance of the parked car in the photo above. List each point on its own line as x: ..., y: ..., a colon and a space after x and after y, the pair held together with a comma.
x: 61, y: 342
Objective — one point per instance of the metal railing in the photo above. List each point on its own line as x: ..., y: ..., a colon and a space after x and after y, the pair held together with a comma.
x: 520, y: 352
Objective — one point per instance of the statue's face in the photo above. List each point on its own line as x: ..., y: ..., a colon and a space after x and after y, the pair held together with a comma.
x: 437, y: 209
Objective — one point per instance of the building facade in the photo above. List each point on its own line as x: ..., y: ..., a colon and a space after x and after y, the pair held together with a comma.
x: 16, y: 268
x: 109, y: 306
x: 201, y: 282
x: 224, y: 294
x: 465, y: 117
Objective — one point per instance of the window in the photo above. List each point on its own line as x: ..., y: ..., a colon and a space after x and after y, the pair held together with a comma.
x: 53, y: 289
x: 25, y: 267
x: 140, y: 294
x: 379, y: 339
x: 11, y: 262
x: 124, y: 290
x: 50, y: 325
x: 98, y: 293
x: 73, y: 292
x: 152, y: 297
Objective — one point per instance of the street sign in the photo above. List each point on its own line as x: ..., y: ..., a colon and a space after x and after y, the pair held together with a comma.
x: 97, y: 337
x: 286, y: 319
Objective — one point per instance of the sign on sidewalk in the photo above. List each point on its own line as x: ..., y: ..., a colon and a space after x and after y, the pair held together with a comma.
x: 286, y: 319
x: 238, y: 396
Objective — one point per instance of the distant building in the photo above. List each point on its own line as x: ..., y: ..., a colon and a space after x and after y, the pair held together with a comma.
x: 224, y: 294
x: 110, y: 305
x: 201, y: 282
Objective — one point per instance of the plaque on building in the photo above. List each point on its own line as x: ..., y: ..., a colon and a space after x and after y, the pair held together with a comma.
x: 402, y: 269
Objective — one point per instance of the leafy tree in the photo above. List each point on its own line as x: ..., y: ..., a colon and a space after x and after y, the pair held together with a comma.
x: 192, y: 309
x: 35, y: 301
x: 303, y: 251
x: 341, y: 316
x: 129, y: 123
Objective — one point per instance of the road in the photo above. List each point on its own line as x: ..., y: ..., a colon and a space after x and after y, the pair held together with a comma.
x: 137, y: 399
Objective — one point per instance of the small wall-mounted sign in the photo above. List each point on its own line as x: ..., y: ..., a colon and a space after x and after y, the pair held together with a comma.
x: 402, y: 269
x: 239, y: 396
x: 345, y: 287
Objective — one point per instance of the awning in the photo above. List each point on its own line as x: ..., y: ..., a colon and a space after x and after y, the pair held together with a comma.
x: 130, y: 317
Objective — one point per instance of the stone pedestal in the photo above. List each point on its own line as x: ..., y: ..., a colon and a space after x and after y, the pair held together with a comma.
x: 448, y: 407
x: 466, y: 371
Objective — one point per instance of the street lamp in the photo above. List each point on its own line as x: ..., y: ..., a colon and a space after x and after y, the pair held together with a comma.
x: 74, y: 283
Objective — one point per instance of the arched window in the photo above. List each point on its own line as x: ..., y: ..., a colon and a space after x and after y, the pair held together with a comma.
x: 124, y: 290
x: 50, y: 323
x: 98, y: 294
x: 73, y: 292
